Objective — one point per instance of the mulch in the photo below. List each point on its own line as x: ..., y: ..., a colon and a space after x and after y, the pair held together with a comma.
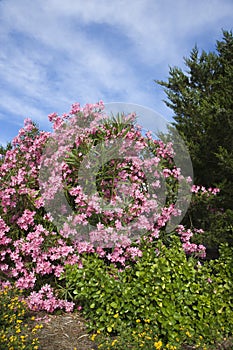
x: 63, y: 332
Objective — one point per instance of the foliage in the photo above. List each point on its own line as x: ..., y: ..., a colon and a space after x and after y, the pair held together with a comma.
x: 217, y: 223
x: 15, y: 333
x: 34, y: 248
x: 201, y: 98
x: 3, y: 151
x: 163, y: 297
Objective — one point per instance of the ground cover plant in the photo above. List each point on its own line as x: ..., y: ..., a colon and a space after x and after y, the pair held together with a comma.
x: 15, y: 332
x: 164, y: 301
x: 87, y: 260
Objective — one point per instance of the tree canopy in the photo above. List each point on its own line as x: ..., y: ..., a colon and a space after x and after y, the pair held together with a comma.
x: 201, y: 98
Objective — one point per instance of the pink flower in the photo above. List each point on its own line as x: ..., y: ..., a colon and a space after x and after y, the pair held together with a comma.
x: 46, y: 300
x: 26, y: 220
x: 195, y: 188
x: 27, y: 281
x: 58, y: 270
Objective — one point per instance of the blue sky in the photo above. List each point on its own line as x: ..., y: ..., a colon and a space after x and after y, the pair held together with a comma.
x: 54, y: 52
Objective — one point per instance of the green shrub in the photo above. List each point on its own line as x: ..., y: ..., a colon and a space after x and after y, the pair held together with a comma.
x: 165, y: 296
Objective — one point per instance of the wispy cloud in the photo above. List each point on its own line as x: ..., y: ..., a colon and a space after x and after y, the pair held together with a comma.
x: 54, y: 52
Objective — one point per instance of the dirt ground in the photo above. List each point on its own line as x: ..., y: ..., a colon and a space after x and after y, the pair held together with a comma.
x: 63, y: 332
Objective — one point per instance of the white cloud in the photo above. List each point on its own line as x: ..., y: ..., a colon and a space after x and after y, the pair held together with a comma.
x: 153, y: 26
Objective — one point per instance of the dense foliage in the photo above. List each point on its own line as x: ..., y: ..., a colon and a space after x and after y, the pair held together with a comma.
x: 201, y: 98
x: 163, y: 298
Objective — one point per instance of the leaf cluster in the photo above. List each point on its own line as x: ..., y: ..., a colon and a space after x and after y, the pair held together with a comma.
x: 185, y: 303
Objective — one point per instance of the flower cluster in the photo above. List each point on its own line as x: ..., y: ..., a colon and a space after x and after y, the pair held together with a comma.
x: 30, y: 246
x: 45, y: 300
x: 201, y: 190
x: 190, y: 248
x: 28, y: 261
x: 122, y: 200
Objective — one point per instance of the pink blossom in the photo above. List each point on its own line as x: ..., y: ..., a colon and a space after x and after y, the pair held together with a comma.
x: 26, y: 282
x: 26, y: 220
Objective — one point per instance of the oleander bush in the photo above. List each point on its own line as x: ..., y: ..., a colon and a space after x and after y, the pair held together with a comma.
x: 37, y: 243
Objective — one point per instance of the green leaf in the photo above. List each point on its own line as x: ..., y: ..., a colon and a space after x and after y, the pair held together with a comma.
x: 114, y: 305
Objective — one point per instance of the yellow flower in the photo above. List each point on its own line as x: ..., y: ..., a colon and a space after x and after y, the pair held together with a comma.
x: 12, y: 338
x: 37, y: 326
x: 93, y: 336
x: 158, y: 345
x: 116, y: 315
x: 147, y: 320
x: 114, y: 342
x: 188, y: 334
x: 138, y: 321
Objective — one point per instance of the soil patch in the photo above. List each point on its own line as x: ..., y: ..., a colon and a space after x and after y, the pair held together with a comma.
x: 63, y: 332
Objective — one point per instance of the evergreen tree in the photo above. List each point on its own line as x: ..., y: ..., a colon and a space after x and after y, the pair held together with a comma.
x: 202, y: 100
